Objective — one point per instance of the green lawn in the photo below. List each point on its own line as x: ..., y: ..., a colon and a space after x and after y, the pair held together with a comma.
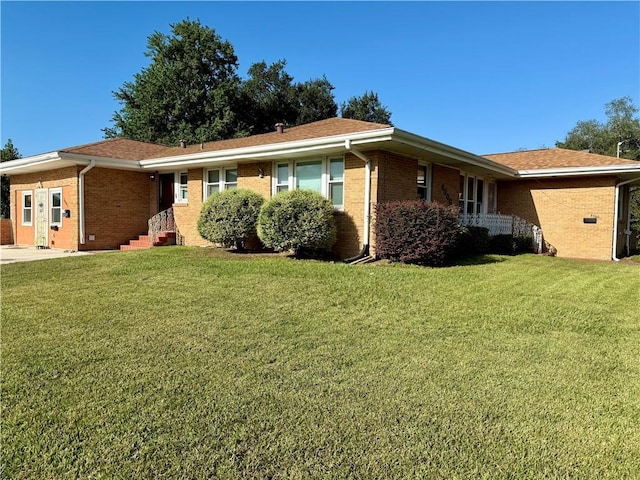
x: 195, y: 363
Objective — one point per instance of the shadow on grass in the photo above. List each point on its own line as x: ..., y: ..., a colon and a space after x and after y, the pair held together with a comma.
x: 476, y: 260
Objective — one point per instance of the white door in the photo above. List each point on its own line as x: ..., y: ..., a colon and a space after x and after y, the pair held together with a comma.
x: 42, y: 217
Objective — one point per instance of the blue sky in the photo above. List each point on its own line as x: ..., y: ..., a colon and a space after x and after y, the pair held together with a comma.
x: 486, y: 77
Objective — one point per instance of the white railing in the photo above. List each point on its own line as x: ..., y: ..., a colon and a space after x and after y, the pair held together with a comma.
x: 499, y: 224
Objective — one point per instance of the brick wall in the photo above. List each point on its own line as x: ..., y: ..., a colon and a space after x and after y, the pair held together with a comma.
x: 559, y: 207
x: 186, y: 214
x: 67, y: 235
x: 6, y: 232
x: 445, y: 185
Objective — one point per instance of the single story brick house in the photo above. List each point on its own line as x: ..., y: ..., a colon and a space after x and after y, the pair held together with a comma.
x: 101, y: 195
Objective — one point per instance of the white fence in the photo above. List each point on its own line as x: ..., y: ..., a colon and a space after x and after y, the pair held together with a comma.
x: 499, y: 224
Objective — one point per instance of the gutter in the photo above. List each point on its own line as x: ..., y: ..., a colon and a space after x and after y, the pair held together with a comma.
x: 616, y: 212
x: 364, y: 253
x: 81, y: 198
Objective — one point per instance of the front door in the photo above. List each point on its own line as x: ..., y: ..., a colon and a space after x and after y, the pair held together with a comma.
x: 42, y: 218
x: 167, y: 182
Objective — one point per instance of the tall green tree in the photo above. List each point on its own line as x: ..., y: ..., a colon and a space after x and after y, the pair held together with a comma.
x: 188, y: 91
x: 366, y: 107
x: 622, y: 126
x: 9, y: 152
x: 268, y: 96
x: 315, y: 101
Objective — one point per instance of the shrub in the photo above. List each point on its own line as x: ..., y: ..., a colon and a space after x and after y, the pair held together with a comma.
x: 510, y: 244
x: 472, y: 240
x: 418, y: 232
x: 229, y: 218
x: 300, y: 220
x: 502, y: 244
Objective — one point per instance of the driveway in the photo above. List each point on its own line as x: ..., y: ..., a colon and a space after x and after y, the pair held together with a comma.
x: 14, y: 253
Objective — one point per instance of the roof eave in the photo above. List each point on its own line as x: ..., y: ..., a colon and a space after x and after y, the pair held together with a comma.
x: 55, y: 160
x: 579, y: 171
x: 273, y: 150
x: 454, y: 153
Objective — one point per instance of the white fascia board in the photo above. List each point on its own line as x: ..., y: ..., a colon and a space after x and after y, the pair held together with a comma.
x: 271, y: 150
x: 579, y: 171
x: 452, y: 152
x: 53, y: 160
x: 104, y: 162
x: 29, y: 162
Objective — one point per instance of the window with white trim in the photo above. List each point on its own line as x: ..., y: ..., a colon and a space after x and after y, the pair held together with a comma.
x: 336, y: 181
x: 219, y: 179
x: 282, y: 180
x: 472, y: 195
x: 27, y: 208
x: 55, y: 202
x: 182, y: 187
x: 322, y: 175
x: 423, y: 179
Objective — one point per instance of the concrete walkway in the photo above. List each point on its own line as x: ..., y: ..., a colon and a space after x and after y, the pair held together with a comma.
x: 14, y: 253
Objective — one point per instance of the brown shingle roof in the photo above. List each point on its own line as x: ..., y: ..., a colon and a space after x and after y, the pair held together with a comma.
x: 126, y: 149
x: 120, y: 148
x: 555, y: 158
x: 320, y: 129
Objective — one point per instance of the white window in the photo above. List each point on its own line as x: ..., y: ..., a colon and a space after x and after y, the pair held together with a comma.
x: 325, y: 176
x: 282, y: 178
x: 424, y: 182
x: 182, y: 187
x: 472, y: 195
x: 218, y: 179
x: 27, y: 208
x: 55, y: 202
x: 336, y: 181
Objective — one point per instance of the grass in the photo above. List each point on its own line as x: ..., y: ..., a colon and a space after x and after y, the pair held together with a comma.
x: 196, y: 363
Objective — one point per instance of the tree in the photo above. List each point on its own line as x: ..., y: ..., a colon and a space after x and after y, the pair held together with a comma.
x: 188, y: 92
x: 9, y: 152
x: 315, y: 101
x: 367, y: 108
x: 268, y: 96
x: 623, y: 125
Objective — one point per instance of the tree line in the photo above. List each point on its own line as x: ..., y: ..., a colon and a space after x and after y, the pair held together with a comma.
x: 191, y: 91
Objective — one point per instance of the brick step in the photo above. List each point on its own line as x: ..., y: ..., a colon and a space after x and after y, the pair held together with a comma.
x: 144, y: 241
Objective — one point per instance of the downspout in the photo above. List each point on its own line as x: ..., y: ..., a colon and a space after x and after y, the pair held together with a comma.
x: 367, y: 202
x: 615, y: 219
x: 81, y: 198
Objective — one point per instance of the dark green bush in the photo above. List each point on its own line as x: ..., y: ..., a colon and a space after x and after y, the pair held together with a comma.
x: 472, y: 240
x: 419, y: 232
x: 230, y: 217
x: 501, y: 245
x: 300, y: 220
x: 522, y: 244
x: 510, y: 244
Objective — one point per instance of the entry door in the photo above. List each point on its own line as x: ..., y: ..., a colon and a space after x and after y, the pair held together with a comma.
x: 167, y: 182
x: 42, y: 217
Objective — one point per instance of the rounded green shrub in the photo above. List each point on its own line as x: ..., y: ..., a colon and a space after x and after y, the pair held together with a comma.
x: 300, y: 220
x: 230, y: 217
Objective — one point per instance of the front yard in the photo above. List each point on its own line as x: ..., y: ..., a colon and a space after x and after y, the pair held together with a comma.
x: 195, y: 363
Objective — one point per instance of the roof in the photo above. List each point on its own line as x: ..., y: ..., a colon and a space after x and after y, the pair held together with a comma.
x: 320, y: 129
x: 120, y: 148
x: 551, y: 158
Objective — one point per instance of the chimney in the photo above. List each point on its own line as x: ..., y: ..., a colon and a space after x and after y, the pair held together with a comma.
x: 280, y: 127
x: 183, y: 143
